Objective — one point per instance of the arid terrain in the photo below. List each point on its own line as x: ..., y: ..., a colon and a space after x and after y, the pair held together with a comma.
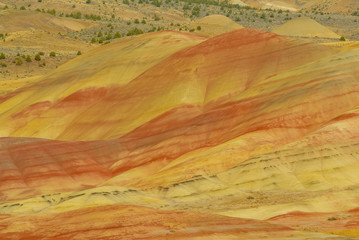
x: 176, y: 119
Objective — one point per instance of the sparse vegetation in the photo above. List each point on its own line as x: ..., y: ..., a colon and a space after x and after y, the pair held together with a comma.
x: 51, y: 12
x: 134, y: 31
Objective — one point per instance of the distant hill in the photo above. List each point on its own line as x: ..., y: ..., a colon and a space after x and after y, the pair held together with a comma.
x: 304, y: 27
x: 292, y: 5
x: 215, y: 24
x: 13, y: 21
x: 332, y: 6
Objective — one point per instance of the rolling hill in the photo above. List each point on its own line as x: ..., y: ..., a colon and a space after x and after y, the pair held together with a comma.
x: 172, y: 134
x: 215, y: 24
x: 304, y: 27
x: 328, y: 6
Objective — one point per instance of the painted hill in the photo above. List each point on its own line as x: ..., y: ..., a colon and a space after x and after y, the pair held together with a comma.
x: 82, y: 89
x: 82, y: 83
x: 304, y: 27
x: 215, y: 24
x: 184, y: 134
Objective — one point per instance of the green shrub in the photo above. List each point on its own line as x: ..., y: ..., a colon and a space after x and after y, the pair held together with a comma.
x: 18, y: 61
x: 134, y: 31
x: 342, y: 38
x: 199, y: 28
x: 37, y: 57
x: 79, y: 53
x: 332, y: 218
x: 52, y: 54
x: 101, y: 40
x: 117, y: 35
x: 156, y: 18
x: 2, y: 56
x: 28, y: 58
x: 51, y: 12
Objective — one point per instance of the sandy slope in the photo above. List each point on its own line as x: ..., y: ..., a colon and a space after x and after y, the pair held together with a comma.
x: 215, y: 24
x: 304, y: 27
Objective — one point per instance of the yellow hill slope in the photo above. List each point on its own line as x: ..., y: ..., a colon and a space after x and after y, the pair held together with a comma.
x: 82, y: 82
x: 100, y: 95
x: 304, y: 27
x: 215, y: 24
